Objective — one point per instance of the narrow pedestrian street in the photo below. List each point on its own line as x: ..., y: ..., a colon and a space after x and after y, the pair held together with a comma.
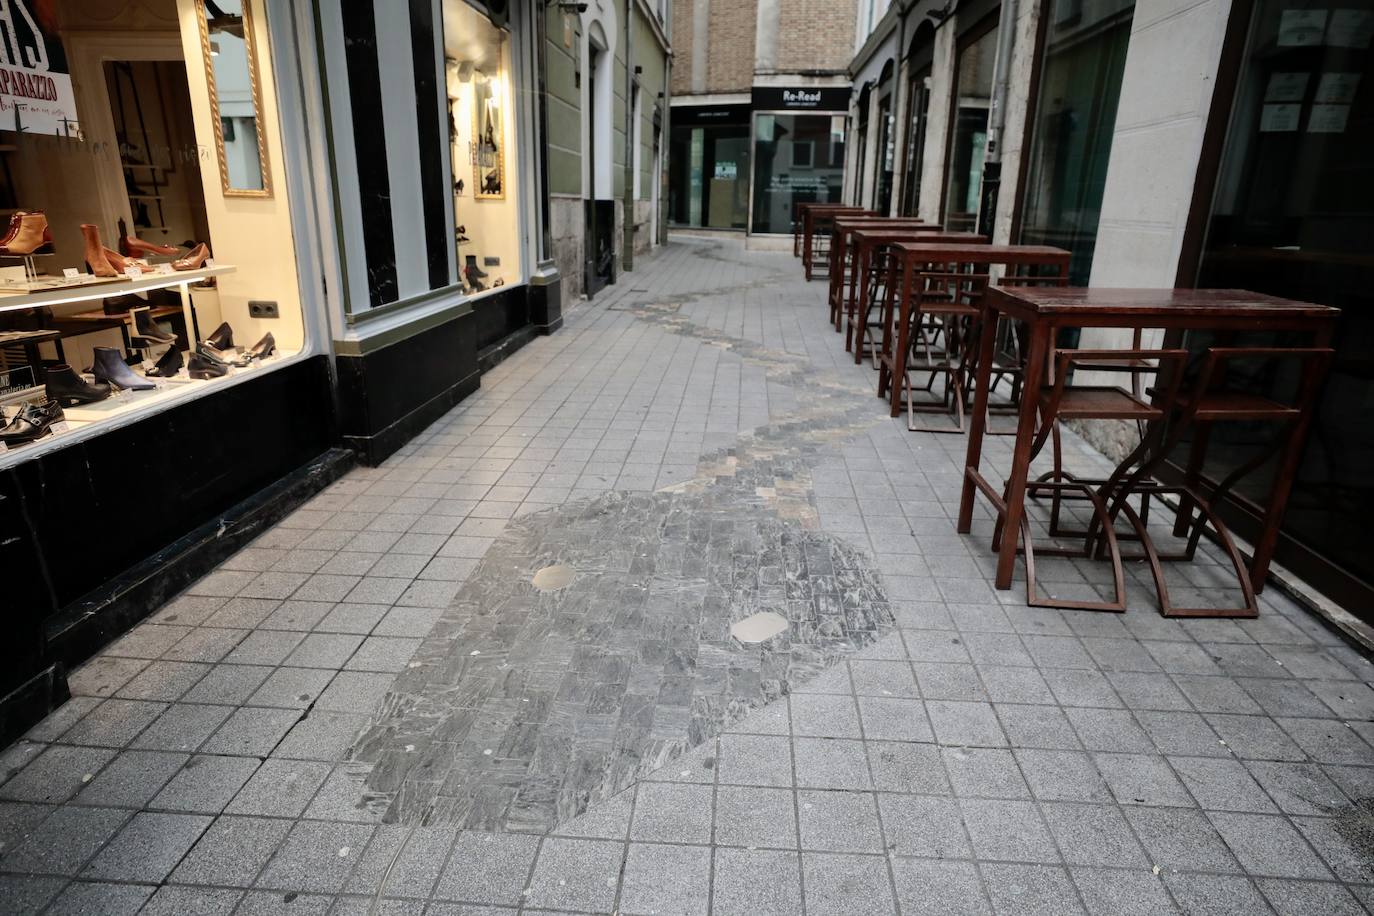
x: 505, y: 672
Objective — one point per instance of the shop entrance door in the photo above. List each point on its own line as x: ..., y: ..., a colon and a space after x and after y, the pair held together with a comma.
x: 598, y: 241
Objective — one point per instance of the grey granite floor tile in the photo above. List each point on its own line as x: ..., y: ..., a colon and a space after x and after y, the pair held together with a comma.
x: 63, y: 843
x: 1116, y: 893
x: 1181, y: 838
x: 83, y: 898
x: 917, y: 825
x: 1268, y: 845
x: 672, y: 813
x: 1010, y: 831
x: 1215, y: 895
x: 576, y: 875
x: 932, y: 887
x: 756, y: 882
x: 1031, y: 889
x: 662, y: 879
x: 316, y: 857
x: 488, y: 868
x: 232, y: 851
x: 833, y: 883
x: 147, y: 848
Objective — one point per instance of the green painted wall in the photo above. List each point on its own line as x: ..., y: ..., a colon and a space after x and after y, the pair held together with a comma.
x: 565, y: 109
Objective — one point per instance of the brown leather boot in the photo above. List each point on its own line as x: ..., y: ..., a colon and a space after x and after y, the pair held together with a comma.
x: 29, y: 236
x: 95, y: 252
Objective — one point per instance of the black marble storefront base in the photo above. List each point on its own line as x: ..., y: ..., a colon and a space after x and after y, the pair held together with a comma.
x: 389, y: 394
x: 98, y: 533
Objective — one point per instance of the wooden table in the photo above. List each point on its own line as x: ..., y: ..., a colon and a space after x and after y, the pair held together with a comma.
x: 816, y: 219
x: 867, y: 242
x: 840, y: 274
x: 1046, y: 310
x: 914, y: 262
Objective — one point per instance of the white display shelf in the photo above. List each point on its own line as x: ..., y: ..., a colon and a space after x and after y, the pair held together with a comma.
x: 94, y: 288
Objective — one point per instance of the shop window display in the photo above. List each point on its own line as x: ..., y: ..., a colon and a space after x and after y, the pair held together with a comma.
x: 485, y: 210
x: 127, y: 276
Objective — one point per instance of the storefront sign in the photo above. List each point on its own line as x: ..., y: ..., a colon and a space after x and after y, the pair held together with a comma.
x: 819, y: 98
x: 706, y: 115
x: 727, y: 170
x: 35, y: 89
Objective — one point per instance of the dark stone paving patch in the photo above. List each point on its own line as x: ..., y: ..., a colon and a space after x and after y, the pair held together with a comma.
x: 523, y: 706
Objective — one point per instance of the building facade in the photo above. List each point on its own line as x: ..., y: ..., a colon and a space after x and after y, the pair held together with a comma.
x: 759, y: 95
x: 1207, y: 144
x: 607, y: 101
x: 254, y: 243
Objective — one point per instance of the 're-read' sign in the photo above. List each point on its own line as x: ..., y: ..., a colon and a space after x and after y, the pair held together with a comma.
x: 35, y: 88
x: 803, y: 98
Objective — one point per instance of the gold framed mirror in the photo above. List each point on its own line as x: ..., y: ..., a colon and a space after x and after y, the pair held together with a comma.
x: 228, y: 45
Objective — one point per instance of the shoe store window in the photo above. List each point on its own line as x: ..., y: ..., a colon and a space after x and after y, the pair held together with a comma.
x: 424, y: 140
x: 148, y: 256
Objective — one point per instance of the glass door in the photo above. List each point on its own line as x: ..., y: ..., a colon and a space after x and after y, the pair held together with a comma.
x: 1293, y: 215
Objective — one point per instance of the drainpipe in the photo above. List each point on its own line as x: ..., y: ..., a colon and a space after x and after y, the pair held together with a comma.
x: 627, y: 255
x: 899, y: 94
x: 992, y: 159
x: 541, y: 58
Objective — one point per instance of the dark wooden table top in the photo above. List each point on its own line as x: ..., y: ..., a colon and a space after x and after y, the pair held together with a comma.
x: 915, y: 234
x: 986, y: 254
x: 1155, y: 305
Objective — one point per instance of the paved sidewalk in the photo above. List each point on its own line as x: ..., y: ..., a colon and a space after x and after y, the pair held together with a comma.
x: 496, y: 675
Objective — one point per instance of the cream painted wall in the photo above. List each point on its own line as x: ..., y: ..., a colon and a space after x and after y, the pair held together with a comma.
x: 937, y: 125
x: 253, y: 234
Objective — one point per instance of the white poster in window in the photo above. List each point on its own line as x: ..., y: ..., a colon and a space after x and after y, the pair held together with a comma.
x: 1300, y: 28
x: 35, y: 88
x: 1286, y: 87
x: 1328, y: 119
x: 1279, y: 119
x: 1350, y: 28
x: 1337, y: 88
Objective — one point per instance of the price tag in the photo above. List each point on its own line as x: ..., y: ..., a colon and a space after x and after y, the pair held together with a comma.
x: 71, y: 273
x: 133, y: 272
x: 210, y: 263
x: 60, y: 427
x: 164, y: 270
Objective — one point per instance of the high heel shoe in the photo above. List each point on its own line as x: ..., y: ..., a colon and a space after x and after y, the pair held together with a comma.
x: 223, y: 338
x: 95, y: 252
x: 34, y: 421
x: 145, y: 327
x: 202, y: 365
x: 168, y: 365
x: 64, y: 386
x: 194, y: 260
x: 28, y: 235
x: 262, y: 349
x: 111, y: 369
x: 136, y: 246
x: 122, y: 264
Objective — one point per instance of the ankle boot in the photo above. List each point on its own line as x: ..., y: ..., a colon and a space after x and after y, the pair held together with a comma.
x: 68, y: 389
x: 30, y: 235
x: 223, y: 338
x: 111, y: 369
x: 145, y: 328
x: 168, y: 365
x: 95, y: 252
